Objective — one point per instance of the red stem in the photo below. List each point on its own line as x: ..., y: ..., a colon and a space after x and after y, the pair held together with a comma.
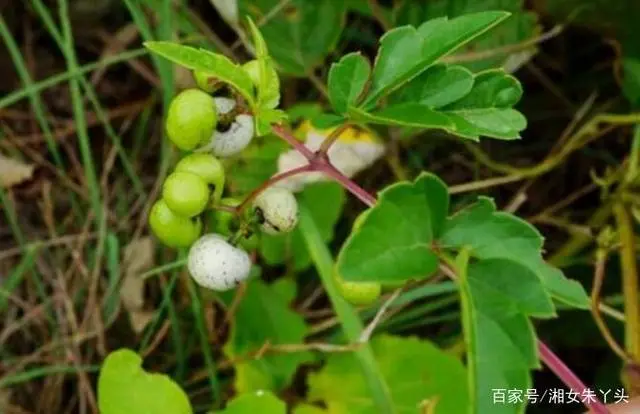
x: 286, y: 135
x: 567, y: 376
x: 321, y: 163
x: 271, y: 181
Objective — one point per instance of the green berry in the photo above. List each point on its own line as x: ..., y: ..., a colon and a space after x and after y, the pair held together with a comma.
x: 391, y: 286
x: 171, y: 229
x: 359, y: 293
x: 185, y: 193
x: 227, y: 223
x: 192, y: 119
x: 207, y: 167
x: 206, y: 82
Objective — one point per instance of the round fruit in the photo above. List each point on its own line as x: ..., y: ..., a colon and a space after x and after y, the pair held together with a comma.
x: 359, y: 293
x: 185, y: 193
x: 191, y: 119
x: 279, y: 210
x: 206, y: 82
x: 207, y: 167
x: 215, y: 264
x: 171, y: 229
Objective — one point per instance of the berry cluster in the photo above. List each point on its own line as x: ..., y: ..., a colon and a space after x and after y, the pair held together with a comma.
x: 209, y: 128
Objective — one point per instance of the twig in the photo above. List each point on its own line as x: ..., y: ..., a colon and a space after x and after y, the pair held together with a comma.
x: 368, y: 331
x: 333, y: 136
x: 598, y: 279
x: 270, y: 182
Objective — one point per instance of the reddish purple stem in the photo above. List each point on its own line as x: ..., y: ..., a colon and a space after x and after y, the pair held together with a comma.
x: 570, y: 379
x: 319, y: 162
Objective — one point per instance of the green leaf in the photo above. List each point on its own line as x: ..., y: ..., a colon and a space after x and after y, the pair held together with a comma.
x: 491, y: 122
x: 491, y: 89
x: 301, y: 34
x: 269, y: 84
x: 486, y: 109
x: 410, y: 114
x: 500, y: 338
x: 393, y: 241
x: 212, y: 63
x: 308, y: 409
x: 415, y: 371
x: 491, y: 234
x: 347, y: 80
x: 438, y: 86
x: 324, y: 201
x: 124, y: 387
x: 256, y: 402
x: 517, y: 28
x: 265, y: 117
x: 516, y: 281
x: 631, y: 79
x: 277, y: 324
x: 405, y: 52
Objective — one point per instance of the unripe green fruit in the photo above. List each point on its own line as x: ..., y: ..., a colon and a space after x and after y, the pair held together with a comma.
x: 172, y: 229
x: 185, y: 193
x: 215, y: 264
x: 207, y: 167
x: 359, y: 293
x: 278, y: 208
x: 206, y: 82
x: 191, y: 119
x: 223, y: 222
x: 391, y: 286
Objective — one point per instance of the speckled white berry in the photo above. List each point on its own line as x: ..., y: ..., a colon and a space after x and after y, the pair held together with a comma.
x: 278, y: 208
x: 215, y: 264
x: 238, y: 135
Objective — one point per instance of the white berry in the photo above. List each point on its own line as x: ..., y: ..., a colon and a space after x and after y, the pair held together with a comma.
x: 238, y: 135
x: 224, y: 105
x: 215, y: 264
x: 278, y: 208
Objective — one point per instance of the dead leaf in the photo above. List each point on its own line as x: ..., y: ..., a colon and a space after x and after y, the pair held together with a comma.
x: 138, y: 258
x: 14, y: 172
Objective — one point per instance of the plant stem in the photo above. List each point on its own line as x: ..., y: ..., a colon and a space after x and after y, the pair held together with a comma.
x: 333, y: 136
x: 552, y: 361
x: 567, y: 376
x: 348, y: 184
x: 629, y: 279
x: 286, y: 135
x: 271, y: 181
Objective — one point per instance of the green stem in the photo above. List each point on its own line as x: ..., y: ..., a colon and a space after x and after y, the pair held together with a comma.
x: 629, y: 279
x: 351, y: 323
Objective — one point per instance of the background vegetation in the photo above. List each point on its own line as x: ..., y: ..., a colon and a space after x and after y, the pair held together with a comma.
x: 83, y: 152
